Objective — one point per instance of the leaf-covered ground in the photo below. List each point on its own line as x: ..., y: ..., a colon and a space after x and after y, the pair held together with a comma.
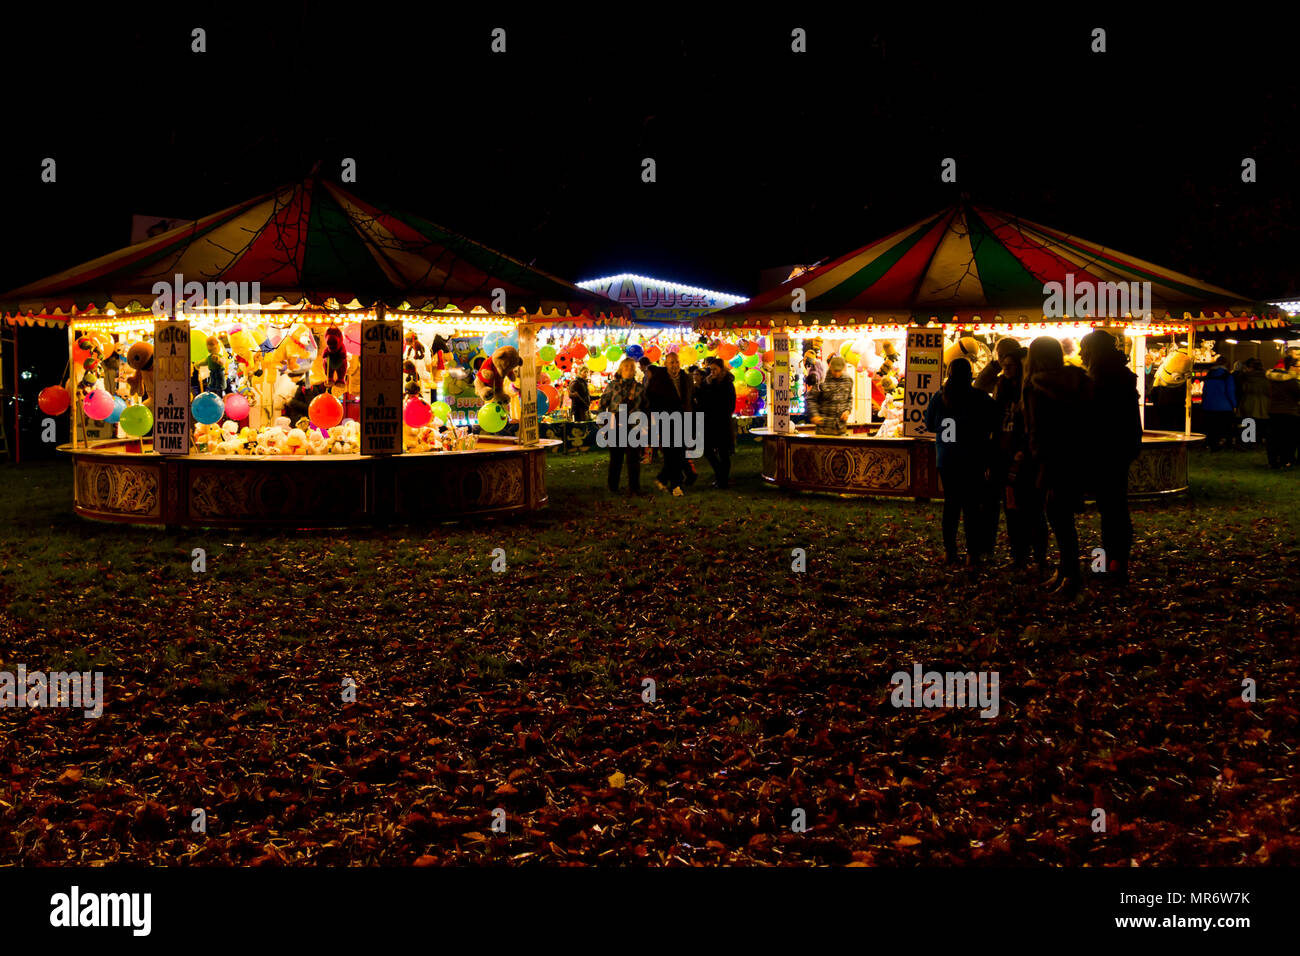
x: 524, y: 690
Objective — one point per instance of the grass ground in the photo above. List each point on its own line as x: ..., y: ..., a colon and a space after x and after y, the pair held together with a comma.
x: 524, y: 690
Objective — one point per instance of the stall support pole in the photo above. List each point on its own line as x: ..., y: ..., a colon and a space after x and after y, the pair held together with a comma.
x: 1191, y: 377
x: 1140, y: 367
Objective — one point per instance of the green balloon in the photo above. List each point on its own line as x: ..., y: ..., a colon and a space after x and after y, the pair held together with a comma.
x: 548, y: 354
x: 553, y: 371
x: 136, y: 421
x: 442, y: 410
x: 492, y: 417
x: 749, y: 361
x: 198, y: 345
x: 613, y: 353
x: 754, y: 377
x: 739, y: 375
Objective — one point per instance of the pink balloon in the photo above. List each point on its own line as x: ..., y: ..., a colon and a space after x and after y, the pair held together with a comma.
x: 98, y: 404
x: 236, y: 407
x: 416, y: 413
x: 352, y: 338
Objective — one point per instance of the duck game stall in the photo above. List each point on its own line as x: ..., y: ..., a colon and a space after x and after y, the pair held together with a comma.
x: 302, y: 359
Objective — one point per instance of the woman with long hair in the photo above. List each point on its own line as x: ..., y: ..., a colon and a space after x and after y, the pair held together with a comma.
x: 1055, y: 398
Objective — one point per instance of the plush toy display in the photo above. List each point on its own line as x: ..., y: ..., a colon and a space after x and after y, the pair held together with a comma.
x: 216, y: 367
x: 336, y: 357
x: 414, y: 347
x: 490, y: 381
x: 1174, y: 369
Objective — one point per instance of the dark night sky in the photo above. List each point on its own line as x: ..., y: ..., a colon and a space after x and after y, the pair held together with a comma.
x: 764, y: 157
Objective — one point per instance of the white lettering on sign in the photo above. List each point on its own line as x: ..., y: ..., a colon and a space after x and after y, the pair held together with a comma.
x: 923, y: 362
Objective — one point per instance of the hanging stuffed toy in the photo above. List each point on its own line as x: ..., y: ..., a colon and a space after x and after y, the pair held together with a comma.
x: 414, y: 347
x: 490, y: 380
x: 216, y: 367
x: 336, y: 357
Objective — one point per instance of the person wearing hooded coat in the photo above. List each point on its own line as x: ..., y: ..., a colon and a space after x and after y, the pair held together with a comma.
x: 1055, y: 400
x: 961, y: 419
x: 716, y: 399
x: 1116, y: 441
x: 1284, y: 412
x: 1218, y: 402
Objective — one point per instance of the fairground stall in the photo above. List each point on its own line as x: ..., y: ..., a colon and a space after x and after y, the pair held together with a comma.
x: 901, y: 309
x: 303, y: 358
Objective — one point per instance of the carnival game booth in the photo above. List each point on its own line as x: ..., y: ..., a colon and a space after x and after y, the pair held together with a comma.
x: 902, y: 308
x: 287, y: 362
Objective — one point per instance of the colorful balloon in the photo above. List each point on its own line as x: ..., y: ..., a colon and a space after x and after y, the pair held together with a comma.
x: 613, y: 353
x: 442, y: 410
x: 119, y: 406
x: 492, y: 417
x: 198, y: 344
x: 208, y: 408
x: 352, y: 338
x: 236, y: 407
x: 543, y: 403
x: 751, y: 360
x: 326, y: 411
x: 635, y: 352
x: 687, y: 355
x: 552, y: 396
x: 726, y: 350
x: 97, y: 404
x: 754, y: 377
x: 137, y: 420
x: 769, y: 357
x: 547, y: 354
x: 654, y: 353
x: 749, y: 347
x: 597, y: 363
x: 736, y: 360
x: 53, y: 400
x: 416, y: 414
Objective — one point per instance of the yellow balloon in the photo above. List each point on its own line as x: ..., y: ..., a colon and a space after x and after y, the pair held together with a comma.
x: 686, y: 355
x: 597, y: 362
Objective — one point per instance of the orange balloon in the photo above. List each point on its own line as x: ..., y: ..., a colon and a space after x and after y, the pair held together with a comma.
x: 552, y: 396
x: 769, y: 357
x: 727, y: 351
x: 578, y: 351
x: 750, y: 348
x: 654, y: 354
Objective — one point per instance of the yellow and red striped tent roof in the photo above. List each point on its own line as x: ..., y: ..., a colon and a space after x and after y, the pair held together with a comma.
x: 971, y: 262
x: 309, y: 243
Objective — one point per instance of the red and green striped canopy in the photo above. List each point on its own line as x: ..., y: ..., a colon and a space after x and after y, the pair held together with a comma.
x: 971, y: 261
x: 316, y: 242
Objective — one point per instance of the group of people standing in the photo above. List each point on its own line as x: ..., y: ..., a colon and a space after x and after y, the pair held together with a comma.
x: 1271, y: 400
x: 1027, y: 439
x: 709, y: 391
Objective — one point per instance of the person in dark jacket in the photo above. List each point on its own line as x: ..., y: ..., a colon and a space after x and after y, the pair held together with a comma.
x: 624, y: 389
x: 296, y: 408
x: 961, y: 419
x: 1284, y: 413
x: 1115, y: 441
x: 580, y: 395
x: 669, y: 389
x: 1218, y: 402
x: 830, y: 404
x: 1055, y: 400
x: 1012, y: 478
x: 1253, y: 399
x: 717, y: 400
